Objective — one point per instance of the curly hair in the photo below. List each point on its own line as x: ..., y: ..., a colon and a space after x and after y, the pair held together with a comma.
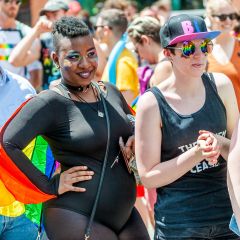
x: 68, y: 27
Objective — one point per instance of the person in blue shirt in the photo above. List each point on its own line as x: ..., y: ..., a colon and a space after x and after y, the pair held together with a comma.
x: 14, y: 90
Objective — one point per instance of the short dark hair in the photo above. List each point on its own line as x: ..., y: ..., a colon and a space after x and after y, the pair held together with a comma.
x: 115, y: 19
x: 69, y: 27
x: 172, y: 50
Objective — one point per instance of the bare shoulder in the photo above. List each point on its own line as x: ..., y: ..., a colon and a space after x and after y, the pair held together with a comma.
x: 222, y: 81
x: 166, y: 65
x: 225, y: 88
x: 147, y: 103
x: 148, y: 112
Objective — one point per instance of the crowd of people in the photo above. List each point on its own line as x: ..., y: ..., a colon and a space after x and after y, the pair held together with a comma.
x: 140, y: 111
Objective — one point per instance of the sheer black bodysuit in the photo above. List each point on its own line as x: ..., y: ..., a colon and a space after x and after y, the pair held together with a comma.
x: 77, y: 136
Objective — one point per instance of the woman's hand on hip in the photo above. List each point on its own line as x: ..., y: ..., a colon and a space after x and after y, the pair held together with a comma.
x: 71, y: 176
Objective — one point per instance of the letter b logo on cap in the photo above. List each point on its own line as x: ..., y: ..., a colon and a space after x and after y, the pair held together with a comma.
x: 187, y: 27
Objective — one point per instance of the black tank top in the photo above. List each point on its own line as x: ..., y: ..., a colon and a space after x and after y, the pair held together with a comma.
x: 200, y: 197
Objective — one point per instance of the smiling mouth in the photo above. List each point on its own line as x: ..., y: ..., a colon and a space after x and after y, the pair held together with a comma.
x: 85, y: 74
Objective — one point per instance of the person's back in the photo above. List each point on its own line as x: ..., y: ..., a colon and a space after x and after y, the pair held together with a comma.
x: 126, y: 73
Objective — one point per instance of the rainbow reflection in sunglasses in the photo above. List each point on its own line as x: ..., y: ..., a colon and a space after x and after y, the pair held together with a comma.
x: 18, y: 2
x: 188, y: 48
x: 223, y: 17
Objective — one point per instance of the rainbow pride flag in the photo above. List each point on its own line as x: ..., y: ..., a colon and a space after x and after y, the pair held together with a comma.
x: 134, y: 103
x: 40, y: 154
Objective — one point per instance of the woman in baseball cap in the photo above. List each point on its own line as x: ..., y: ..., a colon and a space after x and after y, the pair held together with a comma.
x: 183, y: 128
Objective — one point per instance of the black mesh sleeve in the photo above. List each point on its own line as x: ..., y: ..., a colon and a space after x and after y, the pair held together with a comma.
x: 35, y: 118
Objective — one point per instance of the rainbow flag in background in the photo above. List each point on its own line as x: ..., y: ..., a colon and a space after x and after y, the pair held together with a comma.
x: 6, y: 46
x: 134, y: 103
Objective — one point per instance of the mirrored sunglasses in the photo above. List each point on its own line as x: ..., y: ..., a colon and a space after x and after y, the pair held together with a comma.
x: 223, y: 17
x: 188, y: 48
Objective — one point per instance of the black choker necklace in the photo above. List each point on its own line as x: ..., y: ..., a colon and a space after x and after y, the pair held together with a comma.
x: 76, y: 88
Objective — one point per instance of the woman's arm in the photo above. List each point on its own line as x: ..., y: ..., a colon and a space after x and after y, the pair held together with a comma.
x: 233, y: 172
x: 37, y: 117
x: 29, y: 48
x: 153, y: 172
x: 227, y: 94
x: 29, y: 122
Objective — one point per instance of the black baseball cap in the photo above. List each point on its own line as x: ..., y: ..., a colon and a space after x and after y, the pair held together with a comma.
x: 53, y: 6
x: 185, y: 27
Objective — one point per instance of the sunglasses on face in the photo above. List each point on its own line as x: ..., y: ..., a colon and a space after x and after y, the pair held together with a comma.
x: 18, y: 2
x: 223, y: 17
x: 188, y: 48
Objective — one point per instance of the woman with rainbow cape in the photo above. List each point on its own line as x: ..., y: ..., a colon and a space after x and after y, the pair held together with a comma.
x: 82, y: 122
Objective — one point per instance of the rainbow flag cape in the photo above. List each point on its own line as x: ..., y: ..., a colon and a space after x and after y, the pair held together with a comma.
x: 39, y: 152
x: 19, y: 187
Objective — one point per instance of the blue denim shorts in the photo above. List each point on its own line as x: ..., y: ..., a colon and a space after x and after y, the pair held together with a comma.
x: 213, y: 232
x: 17, y: 228
x: 233, y: 225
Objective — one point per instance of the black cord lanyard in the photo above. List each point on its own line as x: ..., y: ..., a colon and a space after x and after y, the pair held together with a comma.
x: 102, y: 99
x: 90, y: 223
